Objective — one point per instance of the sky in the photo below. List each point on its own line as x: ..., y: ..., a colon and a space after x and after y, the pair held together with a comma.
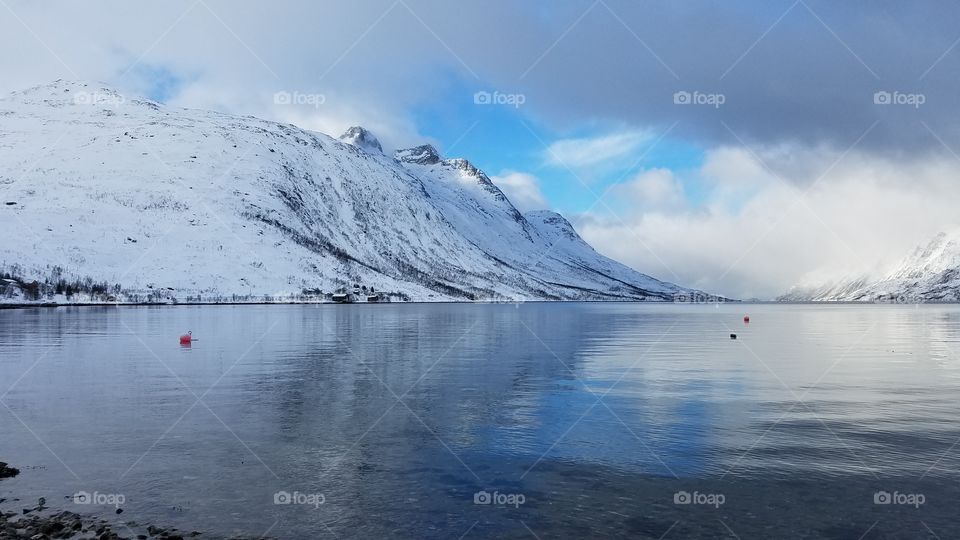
x: 740, y: 147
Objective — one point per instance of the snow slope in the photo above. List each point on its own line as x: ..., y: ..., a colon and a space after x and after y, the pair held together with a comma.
x: 931, y: 273
x: 179, y: 203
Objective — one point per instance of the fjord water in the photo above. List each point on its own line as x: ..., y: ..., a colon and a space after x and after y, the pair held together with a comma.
x: 578, y: 420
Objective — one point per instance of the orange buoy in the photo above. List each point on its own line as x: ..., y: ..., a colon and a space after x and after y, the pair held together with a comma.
x: 187, y: 338
x: 746, y: 319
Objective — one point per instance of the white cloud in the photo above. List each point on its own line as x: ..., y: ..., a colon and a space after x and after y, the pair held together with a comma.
x: 522, y: 189
x: 585, y: 152
x: 656, y: 189
x: 234, y: 58
x: 402, y: 55
x: 863, y: 216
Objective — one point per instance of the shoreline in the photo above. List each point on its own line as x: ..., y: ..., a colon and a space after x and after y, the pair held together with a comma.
x: 40, y: 521
x: 43, y: 523
x: 299, y: 303
x: 4, y: 306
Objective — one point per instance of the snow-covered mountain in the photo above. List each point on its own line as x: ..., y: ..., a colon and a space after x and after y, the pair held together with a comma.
x: 165, y: 203
x: 931, y: 273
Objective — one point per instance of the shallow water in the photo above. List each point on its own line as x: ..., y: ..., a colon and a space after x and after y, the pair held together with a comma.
x: 586, y: 420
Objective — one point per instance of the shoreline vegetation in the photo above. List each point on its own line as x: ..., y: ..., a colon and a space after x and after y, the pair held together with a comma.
x: 25, y: 305
x: 25, y: 521
x: 54, y: 287
x: 57, y: 291
x: 58, y: 288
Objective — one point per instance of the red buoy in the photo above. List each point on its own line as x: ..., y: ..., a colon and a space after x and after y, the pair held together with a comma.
x: 187, y: 338
x: 746, y: 319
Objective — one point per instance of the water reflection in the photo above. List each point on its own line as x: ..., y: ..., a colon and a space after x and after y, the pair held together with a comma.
x: 596, y: 413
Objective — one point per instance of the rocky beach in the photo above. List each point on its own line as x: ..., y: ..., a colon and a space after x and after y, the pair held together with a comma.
x: 38, y: 521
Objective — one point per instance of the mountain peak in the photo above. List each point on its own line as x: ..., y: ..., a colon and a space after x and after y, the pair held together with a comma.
x: 424, y: 154
x: 469, y: 169
x: 67, y: 93
x: 465, y: 166
x: 64, y: 90
x: 553, y: 220
x: 362, y: 138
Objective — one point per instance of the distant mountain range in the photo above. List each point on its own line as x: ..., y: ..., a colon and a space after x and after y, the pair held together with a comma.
x: 135, y: 200
x: 931, y: 273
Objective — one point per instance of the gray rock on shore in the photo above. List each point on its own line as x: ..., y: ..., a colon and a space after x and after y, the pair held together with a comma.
x: 7, y: 471
x: 41, y: 523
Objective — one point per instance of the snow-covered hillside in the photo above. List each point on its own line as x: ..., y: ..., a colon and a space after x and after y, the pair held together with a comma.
x: 164, y: 203
x: 930, y: 274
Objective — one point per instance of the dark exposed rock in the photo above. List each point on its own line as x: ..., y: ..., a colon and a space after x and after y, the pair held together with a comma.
x: 421, y: 155
x: 361, y: 138
x: 8, y: 472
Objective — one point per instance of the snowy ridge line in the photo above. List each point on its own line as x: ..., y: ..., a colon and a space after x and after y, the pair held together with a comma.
x: 929, y: 274
x: 247, y: 208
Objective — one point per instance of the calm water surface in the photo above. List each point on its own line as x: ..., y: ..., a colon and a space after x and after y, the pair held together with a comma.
x: 584, y: 420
